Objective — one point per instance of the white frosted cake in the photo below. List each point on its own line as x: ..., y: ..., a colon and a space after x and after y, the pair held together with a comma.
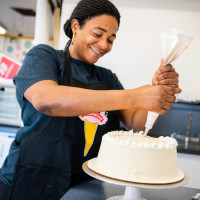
x: 134, y: 157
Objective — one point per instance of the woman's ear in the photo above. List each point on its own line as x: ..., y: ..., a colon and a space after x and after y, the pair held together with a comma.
x: 74, y: 25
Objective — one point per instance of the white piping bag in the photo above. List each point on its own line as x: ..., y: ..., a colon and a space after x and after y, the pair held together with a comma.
x: 173, y: 43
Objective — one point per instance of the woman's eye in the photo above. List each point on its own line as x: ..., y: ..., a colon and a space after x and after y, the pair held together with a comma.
x: 97, y: 35
x: 110, y: 41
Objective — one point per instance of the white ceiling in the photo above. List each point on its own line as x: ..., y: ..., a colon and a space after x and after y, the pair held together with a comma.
x: 19, y: 24
x: 14, y: 22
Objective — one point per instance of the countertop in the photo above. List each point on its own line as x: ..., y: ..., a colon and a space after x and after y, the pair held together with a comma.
x: 97, y: 190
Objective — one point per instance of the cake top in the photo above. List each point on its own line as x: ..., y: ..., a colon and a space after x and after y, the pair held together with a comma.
x: 139, y: 140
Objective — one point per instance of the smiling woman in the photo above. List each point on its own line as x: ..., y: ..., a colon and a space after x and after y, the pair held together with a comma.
x: 93, y: 39
x: 93, y: 30
x: 68, y: 103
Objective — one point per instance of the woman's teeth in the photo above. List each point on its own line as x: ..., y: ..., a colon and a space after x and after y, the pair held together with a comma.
x: 95, y: 51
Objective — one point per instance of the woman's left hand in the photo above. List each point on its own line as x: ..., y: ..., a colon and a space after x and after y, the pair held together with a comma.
x: 166, y: 75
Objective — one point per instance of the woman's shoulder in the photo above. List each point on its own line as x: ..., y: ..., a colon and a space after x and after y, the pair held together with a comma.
x: 45, y: 52
x: 43, y: 48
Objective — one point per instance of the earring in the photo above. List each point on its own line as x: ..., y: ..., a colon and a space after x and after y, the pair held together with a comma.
x: 73, y: 38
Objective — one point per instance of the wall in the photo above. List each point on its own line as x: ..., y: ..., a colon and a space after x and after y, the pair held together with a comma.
x: 136, y: 52
x: 15, y: 47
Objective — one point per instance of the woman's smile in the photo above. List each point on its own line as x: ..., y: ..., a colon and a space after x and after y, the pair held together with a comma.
x: 96, y: 52
x: 94, y: 39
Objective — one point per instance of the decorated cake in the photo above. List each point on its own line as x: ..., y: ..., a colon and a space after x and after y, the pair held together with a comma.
x: 137, y: 158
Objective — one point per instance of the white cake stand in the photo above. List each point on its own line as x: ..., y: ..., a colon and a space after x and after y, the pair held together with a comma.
x: 132, y: 191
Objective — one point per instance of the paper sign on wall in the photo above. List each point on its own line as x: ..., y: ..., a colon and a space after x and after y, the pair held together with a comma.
x: 8, y: 67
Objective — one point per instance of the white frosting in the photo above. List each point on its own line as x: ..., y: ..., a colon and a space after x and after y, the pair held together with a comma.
x: 141, y: 140
x: 133, y: 156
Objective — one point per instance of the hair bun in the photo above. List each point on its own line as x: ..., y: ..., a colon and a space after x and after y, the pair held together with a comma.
x: 67, y: 28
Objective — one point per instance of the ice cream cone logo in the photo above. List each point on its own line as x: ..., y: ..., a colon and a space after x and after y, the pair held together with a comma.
x: 91, y: 123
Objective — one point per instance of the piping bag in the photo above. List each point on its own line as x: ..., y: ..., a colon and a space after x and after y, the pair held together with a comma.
x: 173, y: 43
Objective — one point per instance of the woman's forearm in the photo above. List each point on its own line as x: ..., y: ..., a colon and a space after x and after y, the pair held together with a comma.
x: 52, y: 99
x: 71, y: 101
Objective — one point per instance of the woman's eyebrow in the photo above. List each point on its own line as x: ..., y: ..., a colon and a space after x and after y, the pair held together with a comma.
x: 114, y: 35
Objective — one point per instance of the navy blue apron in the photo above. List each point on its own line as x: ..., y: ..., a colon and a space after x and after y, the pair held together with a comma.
x: 50, y: 159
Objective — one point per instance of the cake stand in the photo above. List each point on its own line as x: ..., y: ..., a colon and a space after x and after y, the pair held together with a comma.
x: 132, y: 190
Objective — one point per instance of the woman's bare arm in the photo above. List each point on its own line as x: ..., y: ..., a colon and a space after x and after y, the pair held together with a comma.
x: 56, y: 100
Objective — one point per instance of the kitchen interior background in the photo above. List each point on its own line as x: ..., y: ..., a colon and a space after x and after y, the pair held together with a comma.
x: 136, y: 52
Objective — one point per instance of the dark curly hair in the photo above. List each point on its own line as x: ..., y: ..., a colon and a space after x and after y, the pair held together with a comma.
x: 86, y: 9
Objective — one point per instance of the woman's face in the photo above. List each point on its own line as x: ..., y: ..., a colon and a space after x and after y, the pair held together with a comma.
x: 94, y: 39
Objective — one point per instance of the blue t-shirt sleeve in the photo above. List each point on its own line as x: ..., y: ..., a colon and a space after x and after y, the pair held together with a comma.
x: 39, y: 64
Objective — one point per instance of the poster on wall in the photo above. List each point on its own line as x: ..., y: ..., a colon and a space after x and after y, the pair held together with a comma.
x: 17, y: 48
x: 8, y: 67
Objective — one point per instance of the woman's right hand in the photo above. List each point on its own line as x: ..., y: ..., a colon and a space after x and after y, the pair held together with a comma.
x: 155, y: 98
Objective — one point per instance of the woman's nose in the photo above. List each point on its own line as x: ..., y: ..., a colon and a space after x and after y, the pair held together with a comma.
x: 103, y: 44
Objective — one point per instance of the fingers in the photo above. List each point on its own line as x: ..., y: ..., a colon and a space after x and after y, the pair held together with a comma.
x: 166, y: 95
x: 163, y: 111
x: 173, y: 90
x: 167, y: 76
x: 156, y: 98
x: 167, y: 68
x: 167, y: 90
x: 171, y: 98
x: 170, y: 82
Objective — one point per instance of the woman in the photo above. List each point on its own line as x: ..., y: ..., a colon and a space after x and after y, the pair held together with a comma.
x: 58, y: 90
